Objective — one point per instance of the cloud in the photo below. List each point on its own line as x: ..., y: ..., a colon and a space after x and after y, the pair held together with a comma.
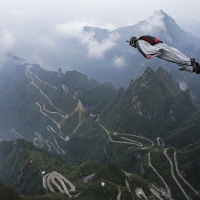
x: 142, y: 64
x: 16, y: 12
x: 130, y: 23
x: 71, y: 29
x: 95, y: 49
x: 49, y: 42
x: 119, y: 62
x: 183, y: 85
x: 35, y: 58
x: 168, y: 38
x: 7, y: 40
x: 154, y: 23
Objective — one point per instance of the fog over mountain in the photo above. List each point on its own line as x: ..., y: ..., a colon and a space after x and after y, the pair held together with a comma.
x: 98, y: 52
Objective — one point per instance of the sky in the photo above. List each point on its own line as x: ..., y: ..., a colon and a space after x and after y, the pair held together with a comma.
x: 113, y: 13
x: 26, y: 25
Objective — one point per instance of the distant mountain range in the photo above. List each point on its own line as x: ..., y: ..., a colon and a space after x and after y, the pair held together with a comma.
x: 106, y: 56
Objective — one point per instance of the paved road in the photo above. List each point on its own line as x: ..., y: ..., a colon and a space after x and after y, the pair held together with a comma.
x: 127, y: 185
x: 17, y: 135
x: 172, y: 172
x: 49, y: 179
x: 177, y: 170
x: 39, y: 141
x: 119, y: 194
x: 92, y: 115
x: 139, y: 192
x: 43, y: 110
x: 132, y: 142
x: 158, y: 140
x: 132, y: 135
x: 31, y: 73
x: 156, y: 193
x: 85, y: 180
x: 166, y: 186
x: 28, y: 73
x: 64, y: 115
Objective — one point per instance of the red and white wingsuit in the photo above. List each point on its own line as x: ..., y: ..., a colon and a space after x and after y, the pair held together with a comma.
x: 164, y: 52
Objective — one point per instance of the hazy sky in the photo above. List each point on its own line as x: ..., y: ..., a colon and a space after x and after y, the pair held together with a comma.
x: 115, y: 13
x: 27, y: 24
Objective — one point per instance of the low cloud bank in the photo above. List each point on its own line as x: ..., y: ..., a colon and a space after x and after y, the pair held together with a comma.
x: 95, y: 49
x: 119, y: 62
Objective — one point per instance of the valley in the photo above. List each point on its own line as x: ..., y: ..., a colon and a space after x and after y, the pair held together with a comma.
x: 71, y: 119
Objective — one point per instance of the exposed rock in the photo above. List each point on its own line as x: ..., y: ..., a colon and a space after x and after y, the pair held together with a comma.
x: 172, y: 118
x: 137, y: 108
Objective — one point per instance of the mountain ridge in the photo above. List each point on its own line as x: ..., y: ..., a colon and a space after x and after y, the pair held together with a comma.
x: 133, y: 64
x: 70, y: 118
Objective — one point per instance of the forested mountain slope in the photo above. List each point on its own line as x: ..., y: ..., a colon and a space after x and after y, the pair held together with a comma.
x: 70, y: 118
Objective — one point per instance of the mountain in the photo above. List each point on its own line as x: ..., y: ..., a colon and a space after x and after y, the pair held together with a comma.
x: 193, y: 28
x: 84, y: 129
x: 152, y: 97
x: 36, y: 104
x: 106, y: 56
x: 88, y: 177
x: 8, y: 193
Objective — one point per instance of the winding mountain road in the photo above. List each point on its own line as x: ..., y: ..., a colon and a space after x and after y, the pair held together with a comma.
x: 119, y: 194
x: 158, y: 140
x: 85, y: 180
x: 132, y: 135
x: 40, y: 79
x: 139, y: 192
x: 177, y: 170
x: 49, y: 179
x: 132, y: 142
x: 17, y: 135
x: 153, y: 191
x: 45, y: 112
x: 166, y: 186
x: 39, y: 142
x: 172, y: 172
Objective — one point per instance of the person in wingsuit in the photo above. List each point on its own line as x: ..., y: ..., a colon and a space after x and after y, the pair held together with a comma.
x: 150, y: 47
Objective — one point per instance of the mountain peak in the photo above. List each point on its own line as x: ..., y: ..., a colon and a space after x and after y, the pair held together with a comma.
x: 148, y: 73
x: 160, y: 12
x: 161, y: 25
x: 154, y: 24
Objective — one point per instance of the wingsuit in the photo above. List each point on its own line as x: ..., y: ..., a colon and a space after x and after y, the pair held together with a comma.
x: 150, y: 47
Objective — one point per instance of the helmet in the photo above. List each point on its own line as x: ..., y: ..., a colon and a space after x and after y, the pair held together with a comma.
x: 132, y: 41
